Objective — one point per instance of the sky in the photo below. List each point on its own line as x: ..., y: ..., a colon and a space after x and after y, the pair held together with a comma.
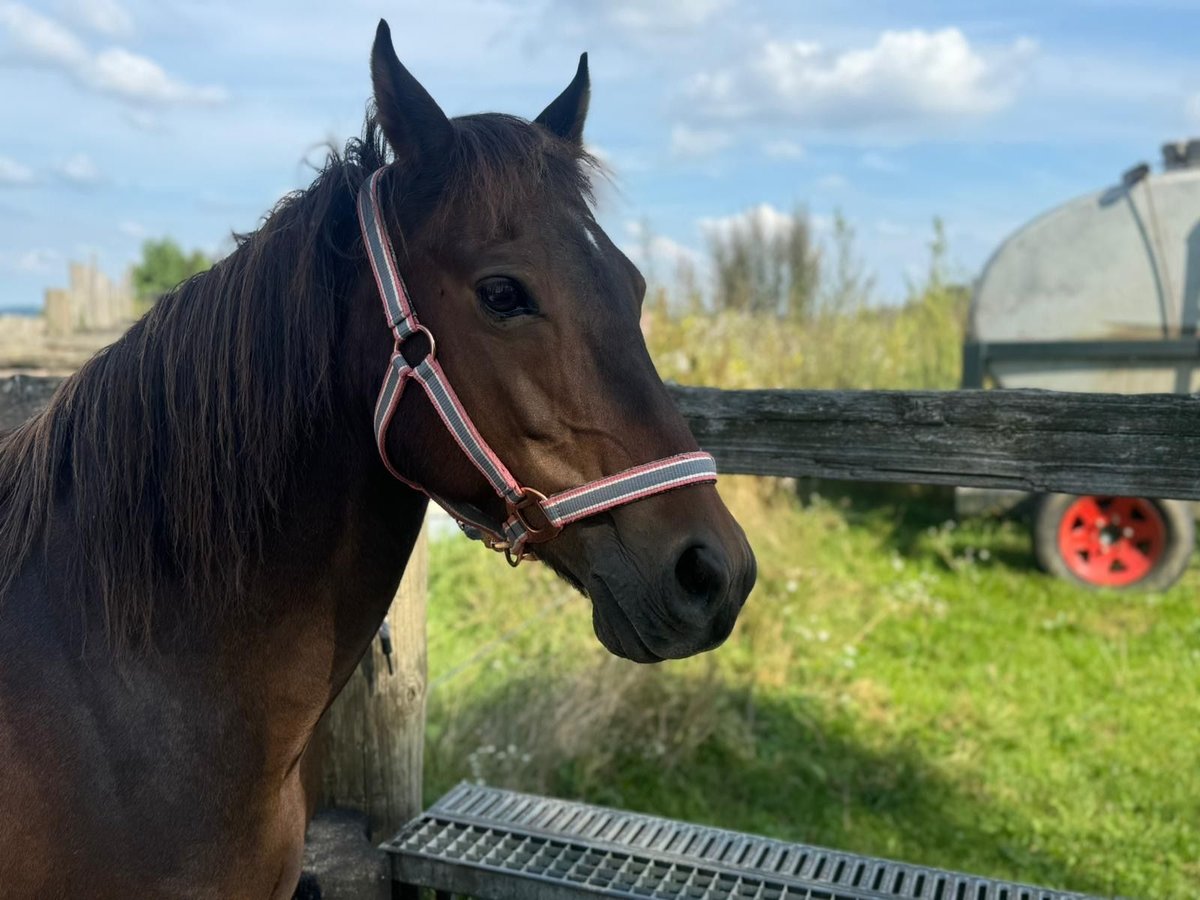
x: 122, y: 120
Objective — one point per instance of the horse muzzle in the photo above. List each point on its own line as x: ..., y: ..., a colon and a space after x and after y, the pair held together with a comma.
x: 661, y: 592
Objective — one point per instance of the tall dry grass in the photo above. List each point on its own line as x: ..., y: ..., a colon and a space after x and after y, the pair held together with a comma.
x: 846, y: 340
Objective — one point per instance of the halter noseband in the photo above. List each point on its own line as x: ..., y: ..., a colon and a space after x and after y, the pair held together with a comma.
x: 554, y: 512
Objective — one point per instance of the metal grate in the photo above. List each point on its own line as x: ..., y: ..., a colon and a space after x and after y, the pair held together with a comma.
x: 502, y: 845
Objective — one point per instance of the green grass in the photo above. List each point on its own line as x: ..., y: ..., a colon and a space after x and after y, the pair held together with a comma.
x: 898, y: 685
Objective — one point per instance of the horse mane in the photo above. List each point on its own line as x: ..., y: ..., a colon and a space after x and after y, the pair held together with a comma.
x: 171, y: 451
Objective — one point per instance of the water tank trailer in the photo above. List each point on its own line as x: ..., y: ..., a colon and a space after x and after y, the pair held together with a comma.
x: 1099, y: 294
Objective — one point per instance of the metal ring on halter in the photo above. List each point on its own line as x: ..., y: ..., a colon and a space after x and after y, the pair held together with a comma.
x: 534, y: 534
x: 417, y: 328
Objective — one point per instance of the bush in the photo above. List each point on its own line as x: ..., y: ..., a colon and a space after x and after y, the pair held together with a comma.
x: 164, y: 265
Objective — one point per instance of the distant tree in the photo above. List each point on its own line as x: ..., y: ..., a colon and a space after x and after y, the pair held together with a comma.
x: 164, y: 265
x: 763, y: 266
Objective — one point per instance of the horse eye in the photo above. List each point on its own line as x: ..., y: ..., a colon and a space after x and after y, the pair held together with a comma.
x: 504, y: 297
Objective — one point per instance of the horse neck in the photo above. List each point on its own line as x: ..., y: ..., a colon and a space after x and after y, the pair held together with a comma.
x: 323, y: 586
x: 346, y: 537
x: 349, y: 528
x: 314, y: 597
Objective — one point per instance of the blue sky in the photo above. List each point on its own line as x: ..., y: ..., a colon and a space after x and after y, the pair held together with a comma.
x: 127, y: 119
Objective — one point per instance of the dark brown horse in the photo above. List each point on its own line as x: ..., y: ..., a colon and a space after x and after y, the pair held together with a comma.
x: 198, y: 538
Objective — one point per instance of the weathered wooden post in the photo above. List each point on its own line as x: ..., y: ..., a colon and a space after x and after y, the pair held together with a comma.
x: 371, y: 742
x: 60, y: 320
x: 81, y: 286
x: 123, y: 301
x: 103, y: 317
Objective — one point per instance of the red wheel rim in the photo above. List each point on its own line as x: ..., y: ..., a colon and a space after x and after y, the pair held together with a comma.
x: 1111, y: 541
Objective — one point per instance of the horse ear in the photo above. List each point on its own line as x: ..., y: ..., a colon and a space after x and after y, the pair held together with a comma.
x: 565, y: 115
x: 413, y: 123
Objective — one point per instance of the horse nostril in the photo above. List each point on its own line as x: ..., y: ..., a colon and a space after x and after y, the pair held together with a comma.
x: 702, y: 573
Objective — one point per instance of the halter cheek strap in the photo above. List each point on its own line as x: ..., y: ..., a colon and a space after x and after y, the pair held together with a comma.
x: 551, y: 513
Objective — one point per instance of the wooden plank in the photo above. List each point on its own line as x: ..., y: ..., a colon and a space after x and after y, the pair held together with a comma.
x: 1144, y: 444
x: 57, y: 308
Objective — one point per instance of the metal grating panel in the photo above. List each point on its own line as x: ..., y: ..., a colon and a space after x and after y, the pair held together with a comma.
x: 502, y: 845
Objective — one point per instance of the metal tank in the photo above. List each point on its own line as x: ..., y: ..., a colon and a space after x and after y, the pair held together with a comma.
x: 1099, y: 294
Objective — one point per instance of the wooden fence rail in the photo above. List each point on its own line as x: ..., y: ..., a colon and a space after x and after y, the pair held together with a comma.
x: 1142, y: 444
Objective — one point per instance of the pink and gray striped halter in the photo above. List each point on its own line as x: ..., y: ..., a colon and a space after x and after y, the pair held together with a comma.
x: 556, y: 511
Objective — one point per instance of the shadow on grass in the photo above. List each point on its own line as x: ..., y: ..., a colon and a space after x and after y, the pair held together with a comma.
x: 903, y: 514
x: 701, y: 750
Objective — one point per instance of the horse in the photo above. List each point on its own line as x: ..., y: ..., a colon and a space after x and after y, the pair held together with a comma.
x: 202, y: 532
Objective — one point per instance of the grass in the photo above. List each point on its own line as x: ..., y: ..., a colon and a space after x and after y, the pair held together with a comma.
x: 898, y: 685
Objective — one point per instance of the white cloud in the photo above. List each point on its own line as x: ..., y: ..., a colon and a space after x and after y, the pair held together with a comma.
x: 80, y: 170
x: 639, y: 17
x: 116, y: 72
x: 14, y: 173
x: 784, y: 149
x: 657, y: 255
x: 832, y: 182
x: 696, y: 143
x: 106, y: 17
x: 663, y: 14
x: 905, y: 77
x: 1192, y: 108
x: 40, y: 39
x: 132, y: 229
x: 124, y: 74
x: 763, y: 218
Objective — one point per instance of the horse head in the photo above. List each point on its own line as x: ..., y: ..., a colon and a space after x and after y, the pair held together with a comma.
x: 536, y: 318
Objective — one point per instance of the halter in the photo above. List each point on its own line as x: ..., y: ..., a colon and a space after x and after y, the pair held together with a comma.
x: 551, y: 513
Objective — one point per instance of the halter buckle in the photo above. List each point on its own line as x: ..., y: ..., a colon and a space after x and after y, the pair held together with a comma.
x: 534, y: 533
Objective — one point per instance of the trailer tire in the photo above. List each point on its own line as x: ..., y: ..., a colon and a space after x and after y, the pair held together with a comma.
x: 1130, y: 543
